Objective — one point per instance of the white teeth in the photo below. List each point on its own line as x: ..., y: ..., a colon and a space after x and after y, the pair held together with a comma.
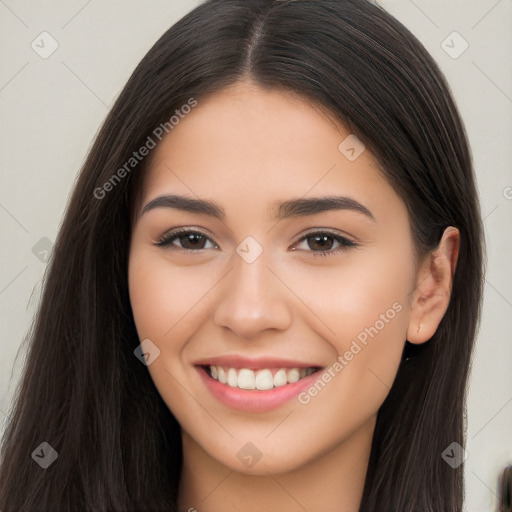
x: 246, y: 379
x: 232, y: 378
x: 222, y: 375
x: 280, y: 378
x: 292, y: 375
x: 264, y: 380
x: 261, y: 380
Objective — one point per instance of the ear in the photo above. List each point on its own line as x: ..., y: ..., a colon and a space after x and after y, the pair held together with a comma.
x: 431, y: 296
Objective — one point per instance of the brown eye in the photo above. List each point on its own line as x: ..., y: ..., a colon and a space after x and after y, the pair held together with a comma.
x: 186, y: 240
x: 320, y: 242
x: 325, y: 243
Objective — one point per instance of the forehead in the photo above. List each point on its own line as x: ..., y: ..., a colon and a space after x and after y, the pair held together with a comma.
x: 250, y: 148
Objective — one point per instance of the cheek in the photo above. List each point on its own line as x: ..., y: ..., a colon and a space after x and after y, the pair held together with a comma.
x: 165, y: 300
x: 168, y: 304
x: 353, y: 294
x: 363, y: 304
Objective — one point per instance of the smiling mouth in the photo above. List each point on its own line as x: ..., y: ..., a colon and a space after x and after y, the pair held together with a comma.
x: 260, y: 380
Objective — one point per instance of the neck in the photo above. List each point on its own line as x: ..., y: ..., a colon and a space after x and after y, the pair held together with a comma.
x: 332, y: 482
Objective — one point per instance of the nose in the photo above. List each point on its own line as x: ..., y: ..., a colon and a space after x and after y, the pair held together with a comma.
x: 252, y: 299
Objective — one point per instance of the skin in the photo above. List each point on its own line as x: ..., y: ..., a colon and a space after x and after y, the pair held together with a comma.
x: 246, y: 148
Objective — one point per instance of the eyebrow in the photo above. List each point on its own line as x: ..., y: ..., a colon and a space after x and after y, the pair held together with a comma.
x: 286, y: 209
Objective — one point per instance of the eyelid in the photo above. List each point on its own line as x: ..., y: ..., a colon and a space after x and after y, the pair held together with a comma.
x: 344, y: 240
x: 326, y: 231
x: 175, y: 233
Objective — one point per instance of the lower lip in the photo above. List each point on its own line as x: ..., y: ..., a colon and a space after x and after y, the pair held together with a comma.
x: 252, y: 400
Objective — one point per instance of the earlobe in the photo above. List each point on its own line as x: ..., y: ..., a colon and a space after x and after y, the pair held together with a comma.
x: 431, y: 296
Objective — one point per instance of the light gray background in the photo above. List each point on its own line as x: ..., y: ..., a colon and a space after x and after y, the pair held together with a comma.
x: 52, y: 108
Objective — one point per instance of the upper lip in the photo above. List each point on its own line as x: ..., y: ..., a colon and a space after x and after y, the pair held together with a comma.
x: 237, y: 361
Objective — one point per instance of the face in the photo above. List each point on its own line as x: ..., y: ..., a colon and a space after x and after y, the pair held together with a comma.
x: 271, y: 282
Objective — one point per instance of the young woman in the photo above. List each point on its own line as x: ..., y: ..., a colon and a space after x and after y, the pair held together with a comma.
x: 266, y: 289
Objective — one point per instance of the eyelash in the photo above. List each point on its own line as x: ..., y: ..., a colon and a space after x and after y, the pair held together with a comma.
x: 169, y: 237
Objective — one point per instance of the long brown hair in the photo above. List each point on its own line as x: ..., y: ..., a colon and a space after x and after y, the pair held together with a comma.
x: 85, y: 393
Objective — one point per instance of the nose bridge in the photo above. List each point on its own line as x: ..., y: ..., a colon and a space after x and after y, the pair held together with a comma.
x: 252, y: 298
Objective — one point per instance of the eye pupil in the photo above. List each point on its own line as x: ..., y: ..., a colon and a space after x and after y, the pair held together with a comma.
x: 193, y: 239
x: 322, y: 241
